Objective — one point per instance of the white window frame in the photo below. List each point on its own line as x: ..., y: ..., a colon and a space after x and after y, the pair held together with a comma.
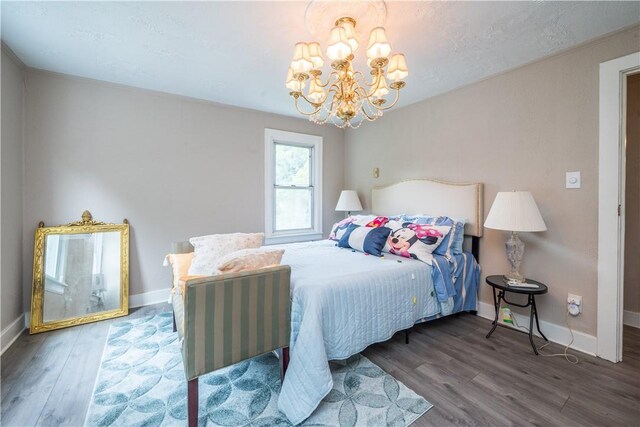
x: 272, y: 137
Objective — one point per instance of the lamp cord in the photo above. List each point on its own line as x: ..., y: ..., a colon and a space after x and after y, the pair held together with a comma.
x: 571, y: 358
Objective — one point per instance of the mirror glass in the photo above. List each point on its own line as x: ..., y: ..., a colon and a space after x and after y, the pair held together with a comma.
x: 82, y: 274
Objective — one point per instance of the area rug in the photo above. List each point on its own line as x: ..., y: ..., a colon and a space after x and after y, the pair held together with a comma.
x: 141, y: 382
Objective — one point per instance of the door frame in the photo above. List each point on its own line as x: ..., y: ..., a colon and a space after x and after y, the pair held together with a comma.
x: 611, y: 203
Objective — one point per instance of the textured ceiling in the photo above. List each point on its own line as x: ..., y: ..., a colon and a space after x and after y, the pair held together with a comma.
x: 237, y: 53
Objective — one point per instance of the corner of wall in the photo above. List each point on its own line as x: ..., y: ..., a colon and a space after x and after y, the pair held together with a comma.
x: 12, y: 178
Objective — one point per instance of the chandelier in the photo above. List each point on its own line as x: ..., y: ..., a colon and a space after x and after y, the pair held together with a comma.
x: 346, y: 98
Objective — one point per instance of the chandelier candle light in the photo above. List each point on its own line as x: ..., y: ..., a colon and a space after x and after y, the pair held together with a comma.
x: 346, y: 98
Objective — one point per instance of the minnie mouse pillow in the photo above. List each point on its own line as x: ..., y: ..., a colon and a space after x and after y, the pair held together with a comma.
x: 417, y: 241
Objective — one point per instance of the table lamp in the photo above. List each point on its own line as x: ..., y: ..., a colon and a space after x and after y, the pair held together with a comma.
x: 515, y: 211
x: 348, y: 202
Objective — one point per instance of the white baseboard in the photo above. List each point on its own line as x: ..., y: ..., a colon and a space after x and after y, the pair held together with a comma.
x: 149, y: 298
x: 558, y: 334
x: 631, y: 318
x: 11, y: 333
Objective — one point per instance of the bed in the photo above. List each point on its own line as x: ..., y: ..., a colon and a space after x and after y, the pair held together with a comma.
x: 343, y: 301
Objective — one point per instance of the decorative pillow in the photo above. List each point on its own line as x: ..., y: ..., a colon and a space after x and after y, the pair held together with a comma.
x: 417, y: 241
x: 363, y: 219
x: 209, y: 249
x: 339, y: 228
x: 180, y: 264
x: 249, y: 259
x: 452, y: 243
x: 370, y: 240
x: 378, y: 221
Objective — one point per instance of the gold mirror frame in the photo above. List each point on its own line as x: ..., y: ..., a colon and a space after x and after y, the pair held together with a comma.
x: 85, y: 226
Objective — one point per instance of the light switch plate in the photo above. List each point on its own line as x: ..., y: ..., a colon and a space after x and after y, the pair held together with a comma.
x: 573, y: 179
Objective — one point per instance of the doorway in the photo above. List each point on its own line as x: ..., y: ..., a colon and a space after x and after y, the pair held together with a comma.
x: 631, y: 316
x: 611, y: 203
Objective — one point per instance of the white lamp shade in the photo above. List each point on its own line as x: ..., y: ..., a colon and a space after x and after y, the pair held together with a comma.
x: 378, y: 47
x: 292, y: 83
x: 348, y: 201
x: 301, y: 62
x: 397, y: 67
x: 350, y: 32
x: 316, y: 55
x: 515, y: 211
x: 338, y: 47
x: 316, y: 93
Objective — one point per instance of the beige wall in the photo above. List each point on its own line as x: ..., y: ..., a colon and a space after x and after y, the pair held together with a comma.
x: 519, y: 130
x: 11, y: 187
x: 175, y: 167
x: 632, y: 199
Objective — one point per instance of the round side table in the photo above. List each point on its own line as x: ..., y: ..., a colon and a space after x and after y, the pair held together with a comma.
x: 500, y: 286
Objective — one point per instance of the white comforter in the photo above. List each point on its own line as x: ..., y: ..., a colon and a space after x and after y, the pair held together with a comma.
x: 343, y: 301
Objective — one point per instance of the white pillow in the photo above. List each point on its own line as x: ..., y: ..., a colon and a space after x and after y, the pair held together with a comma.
x: 249, y: 259
x: 209, y: 249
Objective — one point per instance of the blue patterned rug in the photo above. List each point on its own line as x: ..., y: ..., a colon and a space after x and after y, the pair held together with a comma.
x: 141, y: 382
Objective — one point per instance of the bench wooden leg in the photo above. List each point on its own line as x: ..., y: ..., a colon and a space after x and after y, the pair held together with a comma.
x: 175, y: 328
x: 283, y: 356
x: 192, y: 402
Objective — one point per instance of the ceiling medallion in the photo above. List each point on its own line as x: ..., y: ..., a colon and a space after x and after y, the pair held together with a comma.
x: 346, y: 98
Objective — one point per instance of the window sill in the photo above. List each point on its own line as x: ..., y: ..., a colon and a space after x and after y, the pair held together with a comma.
x: 291, y: 238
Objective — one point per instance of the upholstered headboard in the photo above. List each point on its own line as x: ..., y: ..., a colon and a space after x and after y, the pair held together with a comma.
x: 430, y: 197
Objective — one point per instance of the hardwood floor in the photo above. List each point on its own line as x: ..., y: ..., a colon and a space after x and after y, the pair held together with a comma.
x: 472, y: 380
x: 47, y: 379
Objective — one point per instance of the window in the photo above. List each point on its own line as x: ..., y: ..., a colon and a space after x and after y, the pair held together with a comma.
x: 293, y: 191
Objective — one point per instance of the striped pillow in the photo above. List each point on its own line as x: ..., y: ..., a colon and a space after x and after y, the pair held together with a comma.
x: 370, y: 240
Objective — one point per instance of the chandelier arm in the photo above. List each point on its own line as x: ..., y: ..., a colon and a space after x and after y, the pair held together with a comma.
x: 395, y: 101
x: 362, y: 77
x: 317, y: 111
x: 326, y: 96
x: 375, y: 84
x: 302, y: 112
x: 368, y: 97
x: 310, y: 102
x: 366, y: 114
x: 333, y: 73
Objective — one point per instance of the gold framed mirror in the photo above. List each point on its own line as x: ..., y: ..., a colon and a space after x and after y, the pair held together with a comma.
x: 80, y: 273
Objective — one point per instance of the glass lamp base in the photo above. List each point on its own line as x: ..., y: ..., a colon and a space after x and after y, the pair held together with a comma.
x: 514, y: 279
x: 515, y: 250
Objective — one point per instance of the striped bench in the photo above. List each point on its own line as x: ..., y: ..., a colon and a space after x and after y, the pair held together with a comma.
x: 228, y: 318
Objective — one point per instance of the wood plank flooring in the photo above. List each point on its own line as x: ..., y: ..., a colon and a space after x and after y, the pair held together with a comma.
x: 472, y: 380
x: 47, y: 379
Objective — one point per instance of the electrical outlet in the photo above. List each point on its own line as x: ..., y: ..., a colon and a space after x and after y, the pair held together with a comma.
x: 574, y: 304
